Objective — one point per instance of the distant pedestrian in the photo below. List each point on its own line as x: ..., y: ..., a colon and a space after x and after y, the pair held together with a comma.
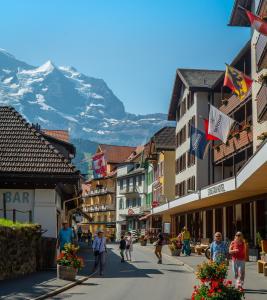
x: 99, y: 249
x: 218, y: 249
x: 65, y: 236
x: 237, y: 250
x: 122, y: 248
x: 129, y: 246
x: 186, y: 242
x: 158, y: 246
x: 79, y: 233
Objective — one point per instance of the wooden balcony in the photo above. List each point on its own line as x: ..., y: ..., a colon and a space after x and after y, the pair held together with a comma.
x: 233, y: 103
x: 262, y: 104
x: 261, y: 57
x: 236, y: 143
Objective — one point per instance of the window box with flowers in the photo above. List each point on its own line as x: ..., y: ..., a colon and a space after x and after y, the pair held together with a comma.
x: 68, y: 263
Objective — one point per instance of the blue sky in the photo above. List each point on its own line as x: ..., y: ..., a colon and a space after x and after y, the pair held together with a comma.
x: 134, y: 45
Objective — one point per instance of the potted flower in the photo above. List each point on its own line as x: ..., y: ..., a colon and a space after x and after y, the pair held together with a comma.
x: 143, y: 240
x: 175, y: 247
x: 213, y: 283
x: 68, y: 263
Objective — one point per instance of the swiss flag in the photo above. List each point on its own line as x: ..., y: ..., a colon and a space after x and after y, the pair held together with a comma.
x: 257, y: 23
x: 209, y: 137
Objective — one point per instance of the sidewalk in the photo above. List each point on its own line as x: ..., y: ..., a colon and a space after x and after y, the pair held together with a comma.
x: 36, y: 285
x: 255, y: 283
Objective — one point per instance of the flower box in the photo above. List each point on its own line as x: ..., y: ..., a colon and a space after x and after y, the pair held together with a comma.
x: 66, y: 273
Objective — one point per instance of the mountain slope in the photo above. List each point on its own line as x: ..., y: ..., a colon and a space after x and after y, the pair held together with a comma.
x: 62, y: 98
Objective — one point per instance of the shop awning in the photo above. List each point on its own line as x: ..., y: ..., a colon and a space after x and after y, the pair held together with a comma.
x: 250, y: 181
x: 143, y: 218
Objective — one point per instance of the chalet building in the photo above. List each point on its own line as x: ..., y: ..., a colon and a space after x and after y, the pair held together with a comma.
x: 100, y: 198
x: 131, y: 193
x: 160, y: 176
x: 193, y: 91
x: 234, y: 197
x: 35, y: 177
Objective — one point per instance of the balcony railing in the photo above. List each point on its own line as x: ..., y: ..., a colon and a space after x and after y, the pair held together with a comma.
x: 99, y: 208
x: 262, y: 103
x: 102, y: 191
x: 238, y: 141
x: 233, y: 103
x: 261, y: 57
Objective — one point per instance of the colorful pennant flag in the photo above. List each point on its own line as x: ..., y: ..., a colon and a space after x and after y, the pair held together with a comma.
x: 198, y: 143
x: 237, y: 81
x: 257, y: 23
x: 209, y: 137
x: 99, y: 165
x: 219, y: 124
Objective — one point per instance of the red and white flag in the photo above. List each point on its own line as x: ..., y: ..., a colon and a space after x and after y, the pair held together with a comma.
x: 99, y: 165
x: 209, y: 137
x: 257, y: 23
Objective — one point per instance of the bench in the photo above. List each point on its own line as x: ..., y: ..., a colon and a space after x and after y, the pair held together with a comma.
x: 265, y: 271
x: 261, y: 266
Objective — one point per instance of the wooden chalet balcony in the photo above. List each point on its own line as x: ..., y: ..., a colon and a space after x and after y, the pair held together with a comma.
x: 261, y: 57
x: 234, y: 144
x: 233, y: 103
x: 262, y: 103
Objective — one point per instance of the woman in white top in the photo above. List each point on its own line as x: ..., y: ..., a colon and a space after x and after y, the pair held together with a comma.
x: 129, y: 246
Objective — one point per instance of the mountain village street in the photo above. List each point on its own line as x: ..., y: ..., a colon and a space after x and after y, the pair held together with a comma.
x: 142, y: 174
x: 143, y: 278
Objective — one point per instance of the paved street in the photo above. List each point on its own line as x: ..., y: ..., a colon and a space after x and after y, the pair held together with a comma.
x: 141, y: 279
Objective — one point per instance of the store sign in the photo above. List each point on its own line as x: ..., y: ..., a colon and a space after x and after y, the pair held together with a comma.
x: 22, y: 201
x: 110, y: 225
x: 223, y: 187
x: 167, y: 228
x: 216, y: 189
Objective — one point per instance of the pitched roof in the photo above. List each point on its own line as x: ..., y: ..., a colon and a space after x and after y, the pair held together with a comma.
x: 164, y: 139
x: 116, y: 154
x: 62, y: 135
x: 196, y: 78
x: 193, y: 79
x: 24, y: 150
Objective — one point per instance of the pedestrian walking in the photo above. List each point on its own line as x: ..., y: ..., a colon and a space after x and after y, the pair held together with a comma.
x: 237, y: 250
x: 158, y: 246
x: 129, y: 246
x: 79, y: 233
x: 65, y: 236
x: 186, y: 242
x: 122, y: 248
x: 99, y: 249
x: 218, y: 249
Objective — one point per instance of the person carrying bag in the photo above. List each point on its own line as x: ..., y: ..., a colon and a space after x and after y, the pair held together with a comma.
x: 99, y: 249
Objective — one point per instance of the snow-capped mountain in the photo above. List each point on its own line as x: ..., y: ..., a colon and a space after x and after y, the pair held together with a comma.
x: 62, y: 98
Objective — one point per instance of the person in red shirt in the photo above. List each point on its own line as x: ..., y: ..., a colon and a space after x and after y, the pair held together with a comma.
x: 237, y: 250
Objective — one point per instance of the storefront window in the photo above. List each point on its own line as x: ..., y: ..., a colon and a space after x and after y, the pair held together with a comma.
x: 209, y: 224
x: 262, y: 218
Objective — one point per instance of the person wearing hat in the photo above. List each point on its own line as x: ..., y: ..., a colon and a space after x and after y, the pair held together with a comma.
x: 65, y: 236
x: 99, y: 249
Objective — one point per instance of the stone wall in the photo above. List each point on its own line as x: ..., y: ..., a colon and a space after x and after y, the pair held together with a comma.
x: 19, y: 250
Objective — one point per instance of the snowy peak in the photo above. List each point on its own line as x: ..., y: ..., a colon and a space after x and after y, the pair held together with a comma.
x: 44, y: 69
x: 62, y: 97
x: 5, y: 53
